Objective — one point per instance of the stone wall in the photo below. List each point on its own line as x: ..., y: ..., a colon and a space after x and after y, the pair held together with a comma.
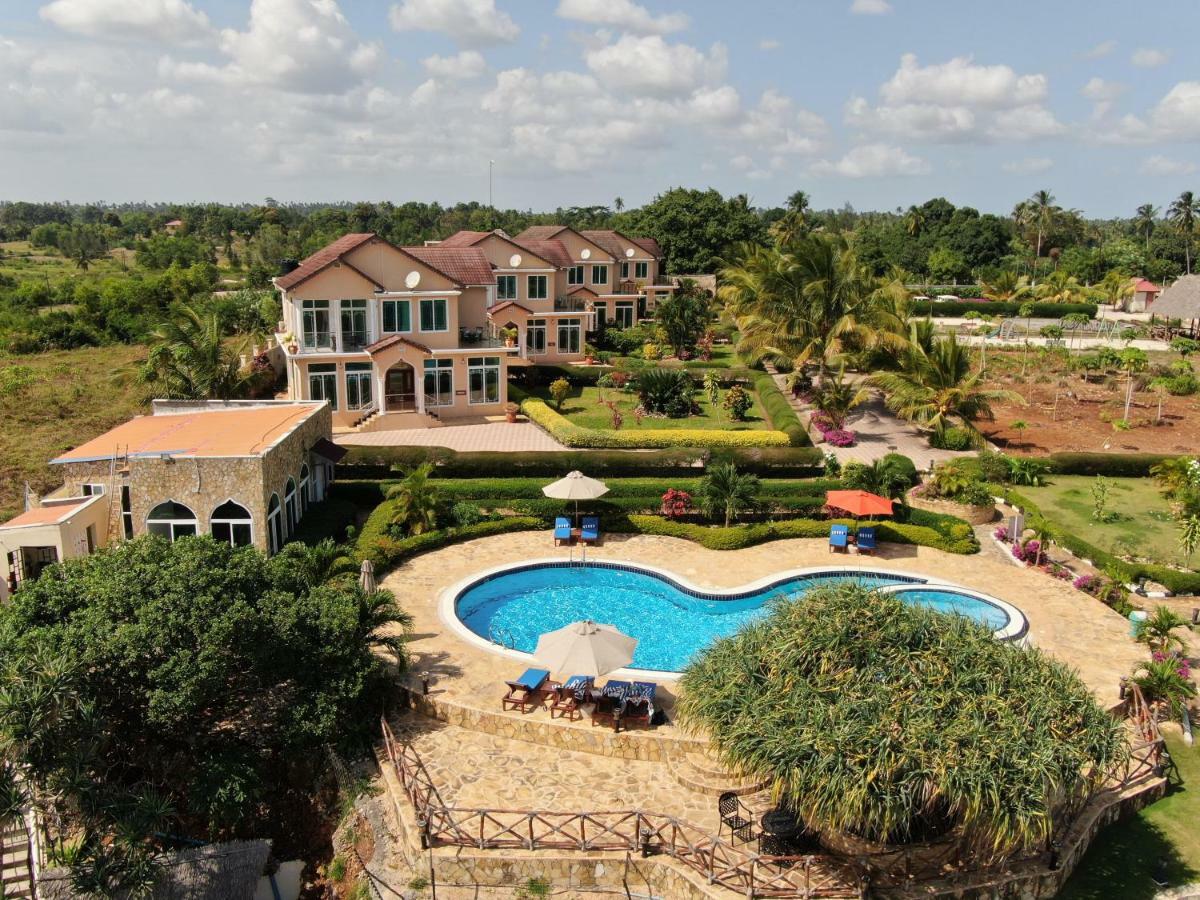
x: 975, y: 515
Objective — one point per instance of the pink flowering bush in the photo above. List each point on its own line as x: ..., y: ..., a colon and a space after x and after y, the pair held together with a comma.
x: 835, y: 437
x: 1086, y: 583
x: 676, y: 504
x: 1027, y: 552
x: 1001, y: 533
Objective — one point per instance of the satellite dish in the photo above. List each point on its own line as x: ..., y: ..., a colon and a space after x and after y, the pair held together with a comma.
x: 585, y: 253
x: 629, y: 252
x: 515, y: 260
x: 412, y: 279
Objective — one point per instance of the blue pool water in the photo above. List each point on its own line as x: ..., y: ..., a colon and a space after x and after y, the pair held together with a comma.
x: 670, y: 623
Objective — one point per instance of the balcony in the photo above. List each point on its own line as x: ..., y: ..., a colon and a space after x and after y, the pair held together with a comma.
x: 355, y: 340
x: 570, y: 304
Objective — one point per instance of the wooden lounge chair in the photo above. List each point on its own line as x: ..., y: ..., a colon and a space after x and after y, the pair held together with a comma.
x: 569, y: 697
x: 562, y: 530
x: 610, y: 704
x: 639, y: 705
x: 839, y: 538
x: 527, y: 691
x: 590, y: 532
x: 865, y: 540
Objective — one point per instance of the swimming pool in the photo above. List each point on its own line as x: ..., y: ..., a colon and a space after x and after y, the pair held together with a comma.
x: 510, y: 607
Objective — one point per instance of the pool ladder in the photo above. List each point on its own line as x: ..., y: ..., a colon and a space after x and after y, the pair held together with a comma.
x: 582, y: 561
x: 502, y: 636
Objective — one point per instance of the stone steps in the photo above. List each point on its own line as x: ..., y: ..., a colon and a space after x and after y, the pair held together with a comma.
x: 699, y: 772
x: 14, y: 863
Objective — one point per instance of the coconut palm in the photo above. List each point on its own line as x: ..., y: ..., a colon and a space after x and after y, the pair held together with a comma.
x: 1007, y: 286
x: 303, y: 567
x: 914, y: 221
x: 1158, y: 629
x: 415, y: 501
x: 1043, y: 213
x: 1145, y: 220
x: 1182, y: 214
x: 191, y: 359
x: 1059, y: 287
x: 726, y: 492
x: 835, y: 397
x: 937, y: 387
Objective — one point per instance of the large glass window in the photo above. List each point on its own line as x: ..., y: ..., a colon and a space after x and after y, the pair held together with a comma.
x: 126, y: 512
x: 275, y: 524
x: 624, y: 315
x: 322, y: 383
x: 641, y: 270
x: 434, y: 314
x: 439, y: 382
x: 291, y: 508
x: 535, y: 336
x: 537, y: 287
x: 314, y: 316
x: 171, y: 520
x: 575, y: 275
x: 568, y: 336
x: 483, y: 379
x: 397, y: 316
x: 601, y: 310
x: 230, y: 523
x: 599, y: 274
x: 355, y: 332
x: 506, y: 287
x: 306, y: 489
x: 358, y: 385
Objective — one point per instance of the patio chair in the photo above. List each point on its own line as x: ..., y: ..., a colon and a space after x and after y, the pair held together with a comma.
x: 639, y: 705
x: 865, y: 540
x: 735, y: 817
x: 562, y: 530
x: 568, y: 699
x: 839, y: 538
x: 527, y: 691
x: 589, y: 533
x: 610, y: 704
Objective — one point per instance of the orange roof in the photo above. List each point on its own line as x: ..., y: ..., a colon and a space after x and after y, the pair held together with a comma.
x: 650, y: 245
x: 48, y: 515
x: 245, y: 431
x: 1149, y: 286
x: 322, y: 258
x: 463, y: 238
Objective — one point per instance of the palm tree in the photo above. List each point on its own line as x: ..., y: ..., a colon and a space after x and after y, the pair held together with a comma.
x: 382, y: 624
x: 1007, y: 286
x: 1044, y: 212
x: 727, y: 492
x: 835, y: 397
x: 937, y: 386
x: 1183, y: 213
x: 304, y: 567
x: 1144, y: 221
x: 914, y: 221
x: 1158, y: 629
x: 415, y: 502
x: 191, y: 359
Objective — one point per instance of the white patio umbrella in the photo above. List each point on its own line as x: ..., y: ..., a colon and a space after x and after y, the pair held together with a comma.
x: 576, y: 486
x: 585, y: 648
x: 366, y: 577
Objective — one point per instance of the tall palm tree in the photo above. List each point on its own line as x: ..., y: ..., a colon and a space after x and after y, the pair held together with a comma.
x: 1183, y: 213
x: 191, y: 359
x: 937, y: 388
x: 1044, y: 212
x: 1144, y: 221
x: 727, y: 492
x: 1008, y: 286
x: 914, y: 221
x: 416, y: 501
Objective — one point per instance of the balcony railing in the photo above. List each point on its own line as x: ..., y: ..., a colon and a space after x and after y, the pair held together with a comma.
x: 355, y: 340
x: 570, y: 304
x: 317, y: 340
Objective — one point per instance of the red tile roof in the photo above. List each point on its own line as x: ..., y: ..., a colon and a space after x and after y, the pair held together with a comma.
x: 607, y: 241
x: 51, y: 514
x: 505, y: 305
x: 1145, y: 285
x: 539, y: 233
x: 581, y: 290
x: 650, y: 245
x: 323, y: 258
x: 553, y: 252
x: 463, y: 239
x: 466, y: 265
x: 393, y: 339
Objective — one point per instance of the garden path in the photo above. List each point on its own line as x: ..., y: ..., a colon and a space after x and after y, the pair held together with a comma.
x: 503, y: 437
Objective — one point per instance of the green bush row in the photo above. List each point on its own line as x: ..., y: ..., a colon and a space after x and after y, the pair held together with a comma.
x: 966, y: 291
x: 676, y: 462
x: 1114, y: 465
x: 1175, y: 581
x: 386, y: 552
x: 780, y: 412
x: 566, y: 432
x: 1001, y: 308
x: 531, y: 488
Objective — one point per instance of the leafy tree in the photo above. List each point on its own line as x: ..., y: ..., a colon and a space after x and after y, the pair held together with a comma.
x: 946, y: 265
x: 1132, y: 362
x: 696, y: 228
x: 737, y: 403
x: 83, y: 244
x: 1185, y: 346
x: 559, y: 389
x: 191, y: 360
x: 726, y: 492
x: 1182, y: 213
x: 866, y: 717
x: 416, y: 501
x: 683, y: 316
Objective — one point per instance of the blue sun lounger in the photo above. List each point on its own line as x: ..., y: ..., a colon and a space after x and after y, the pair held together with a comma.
x: 574, y: 692
x: 839, y: 537
x: 590, y: 532
x: 562, y: 530
x: 526, y: 691
x: 865, y: 540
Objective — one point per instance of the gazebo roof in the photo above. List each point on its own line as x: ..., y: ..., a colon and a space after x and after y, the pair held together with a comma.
x: 1181, y: 300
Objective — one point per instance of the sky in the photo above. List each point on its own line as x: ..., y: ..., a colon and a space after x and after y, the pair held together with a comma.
x: 878, y: 103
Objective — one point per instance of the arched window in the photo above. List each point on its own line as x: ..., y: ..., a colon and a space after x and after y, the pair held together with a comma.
x: 171, y: 520
x: 290, y: 506
x: 275, y: 524
x: 305, y: 489
x: 230, y: 523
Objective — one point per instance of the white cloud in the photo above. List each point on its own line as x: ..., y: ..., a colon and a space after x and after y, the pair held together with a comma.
x: 960, y: 82
x: 650, y: 65
x: 623, y: 14
x: 462, y: 66
x: 166, y: 21
x: 1175, y: 117
x: 870, y: 7
x: 1102, y: 94
x: 472, y: 22
x: 306, y: 46
x: 1030, y: 165
x: 769, y: 44
x: 1149, y: 58
x: 1100, y: 50
x: 872, y: 161
x: 1162, y: 165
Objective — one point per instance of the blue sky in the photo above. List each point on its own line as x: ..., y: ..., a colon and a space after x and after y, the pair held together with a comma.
x: 879, y: 103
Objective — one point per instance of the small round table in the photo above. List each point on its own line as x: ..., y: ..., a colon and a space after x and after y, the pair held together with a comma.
x: 781, y: 823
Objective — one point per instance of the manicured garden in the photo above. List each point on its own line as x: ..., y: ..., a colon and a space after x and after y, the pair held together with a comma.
x: 586, y: 406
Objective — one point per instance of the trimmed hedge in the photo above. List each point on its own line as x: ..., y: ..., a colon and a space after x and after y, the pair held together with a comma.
x: 386, y: 552
x: 1000, y: 308
x: 679, y: 462
x: 531, y: 488
x: 1175, y: 581
x: 780, y: 412
x: 1115, y: 465
x: 572, y: 435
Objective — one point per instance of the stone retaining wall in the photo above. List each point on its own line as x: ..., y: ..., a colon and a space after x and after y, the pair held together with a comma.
x: 975, y: 515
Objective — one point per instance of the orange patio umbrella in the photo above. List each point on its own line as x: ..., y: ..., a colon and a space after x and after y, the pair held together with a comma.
x: 859, y: 503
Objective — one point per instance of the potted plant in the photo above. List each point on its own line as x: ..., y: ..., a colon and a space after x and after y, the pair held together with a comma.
x: 510, y: 336
x: 289, y: 341
x: 589, y: 355
x: 510, y: 411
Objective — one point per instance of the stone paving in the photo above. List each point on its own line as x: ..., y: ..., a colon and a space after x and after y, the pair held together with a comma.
x: 504, y: 437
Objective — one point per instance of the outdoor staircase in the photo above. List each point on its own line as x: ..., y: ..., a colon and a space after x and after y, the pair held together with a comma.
x: 700, y: 772
x: 15, y: 877
x: 397, y: 422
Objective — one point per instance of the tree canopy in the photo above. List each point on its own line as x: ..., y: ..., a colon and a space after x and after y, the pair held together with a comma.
x: 891, y: 722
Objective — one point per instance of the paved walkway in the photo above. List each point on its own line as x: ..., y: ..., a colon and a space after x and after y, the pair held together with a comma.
x: 503, y: 437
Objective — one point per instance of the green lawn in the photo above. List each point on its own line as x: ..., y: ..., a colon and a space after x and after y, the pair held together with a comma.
x: 19, y: 260
x: 1123, y: 857
x: 1141, y: 523
x: 582, y: 407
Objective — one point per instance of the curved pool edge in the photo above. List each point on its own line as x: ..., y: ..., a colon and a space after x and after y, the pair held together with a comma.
x: 1015, y: 631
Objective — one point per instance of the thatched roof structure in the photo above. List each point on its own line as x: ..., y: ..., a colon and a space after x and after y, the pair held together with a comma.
x: 1180, y: 301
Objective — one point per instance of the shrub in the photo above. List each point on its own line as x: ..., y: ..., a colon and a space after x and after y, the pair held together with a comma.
x: 840, y: 437
x: 676, y: 503
x: 1001, y: 308
x: 780, y: 411
x: 559, y: 389
x: 952, y: 438
x: 387, y: 552
x: 464, y: 513
x: 1116, y: 465
x: 737, y: 403
x: 666, y: 391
